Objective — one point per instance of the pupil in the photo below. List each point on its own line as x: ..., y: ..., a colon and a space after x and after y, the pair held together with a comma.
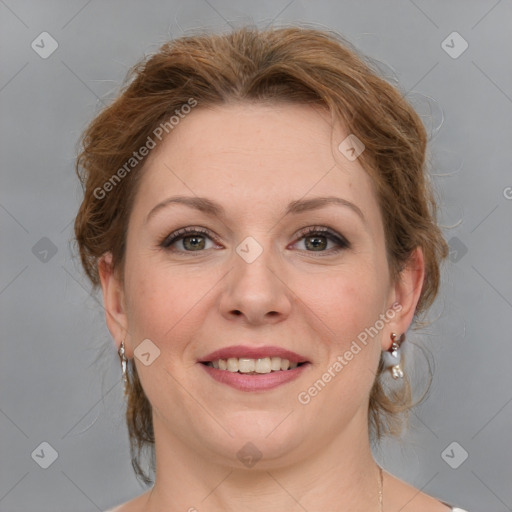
x: 316, y: 242
x: 195, y: 243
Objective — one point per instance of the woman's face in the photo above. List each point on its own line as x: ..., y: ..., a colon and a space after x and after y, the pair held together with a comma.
x: 250, y: 275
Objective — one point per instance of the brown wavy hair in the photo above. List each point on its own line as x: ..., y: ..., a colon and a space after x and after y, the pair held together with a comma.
x: 294, y: 64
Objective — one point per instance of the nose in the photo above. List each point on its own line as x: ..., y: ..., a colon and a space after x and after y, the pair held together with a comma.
x: 258, y: 291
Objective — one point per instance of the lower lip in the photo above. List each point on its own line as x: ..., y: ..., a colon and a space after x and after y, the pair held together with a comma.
x: 262, y: 382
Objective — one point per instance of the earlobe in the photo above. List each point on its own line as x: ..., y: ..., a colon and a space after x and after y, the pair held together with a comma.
x: 113, y: 299
x: 406, y: 292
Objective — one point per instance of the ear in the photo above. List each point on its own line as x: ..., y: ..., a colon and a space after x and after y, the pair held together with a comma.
x: 113, y: 299
x: 405, y: 294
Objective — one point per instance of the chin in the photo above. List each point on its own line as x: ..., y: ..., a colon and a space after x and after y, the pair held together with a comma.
x: 271, y: 439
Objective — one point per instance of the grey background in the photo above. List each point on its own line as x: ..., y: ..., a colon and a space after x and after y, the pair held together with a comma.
x: 53, y: 391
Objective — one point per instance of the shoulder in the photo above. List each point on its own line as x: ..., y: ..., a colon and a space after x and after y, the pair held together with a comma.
x: 136, y: 504
x: 119, y: 508
x: 406, y: 498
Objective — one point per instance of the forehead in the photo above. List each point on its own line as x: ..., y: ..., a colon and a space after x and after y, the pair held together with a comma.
x: 254, y: 156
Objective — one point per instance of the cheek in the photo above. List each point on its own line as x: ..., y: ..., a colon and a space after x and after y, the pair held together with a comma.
x: 349, y: 306
x: 154, y: 299
x: 348, y: 302
x: 162, y: 308
x: 165, y: 304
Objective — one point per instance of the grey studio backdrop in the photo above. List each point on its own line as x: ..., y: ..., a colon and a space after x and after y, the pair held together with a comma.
x: 64, y: 444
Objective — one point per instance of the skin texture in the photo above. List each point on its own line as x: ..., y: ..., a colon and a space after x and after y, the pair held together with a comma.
x: 253, y: 160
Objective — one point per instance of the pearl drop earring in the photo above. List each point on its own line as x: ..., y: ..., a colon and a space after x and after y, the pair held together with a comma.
x: 392, y: 356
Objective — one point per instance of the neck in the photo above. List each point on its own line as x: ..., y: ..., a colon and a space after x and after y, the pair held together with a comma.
x: 341, y: 475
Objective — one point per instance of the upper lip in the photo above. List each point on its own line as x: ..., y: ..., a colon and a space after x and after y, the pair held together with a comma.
x: 245, y: 351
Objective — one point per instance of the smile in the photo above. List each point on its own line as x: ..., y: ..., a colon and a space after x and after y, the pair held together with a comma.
x: 253, y: 366
x: 253, y: 380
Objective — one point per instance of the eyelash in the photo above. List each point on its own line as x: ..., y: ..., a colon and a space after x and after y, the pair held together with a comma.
x: 331, y: 235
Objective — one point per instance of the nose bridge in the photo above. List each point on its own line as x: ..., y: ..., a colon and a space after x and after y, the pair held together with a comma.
x: 256, y: 288
x: 255, y: 263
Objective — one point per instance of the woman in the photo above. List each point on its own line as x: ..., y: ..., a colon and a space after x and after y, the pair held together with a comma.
x: 258, y: 216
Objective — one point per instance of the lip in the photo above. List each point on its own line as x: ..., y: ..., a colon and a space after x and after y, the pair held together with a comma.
x: 262, y: 382
x: 254, y: 353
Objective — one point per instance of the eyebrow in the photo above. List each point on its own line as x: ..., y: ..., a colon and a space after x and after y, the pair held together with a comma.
x: 295, y: 207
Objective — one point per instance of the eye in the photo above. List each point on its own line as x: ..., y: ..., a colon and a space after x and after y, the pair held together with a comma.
x: 317, y: 239
x: 193, y: 239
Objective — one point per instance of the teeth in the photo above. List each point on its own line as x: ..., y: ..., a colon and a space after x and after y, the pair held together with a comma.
x: 263, y: 365
x: 247, y: 365
x: 232, y: 364
x: 275, y: 363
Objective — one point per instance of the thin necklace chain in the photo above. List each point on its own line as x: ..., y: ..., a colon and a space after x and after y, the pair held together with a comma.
x: 381, y: 489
